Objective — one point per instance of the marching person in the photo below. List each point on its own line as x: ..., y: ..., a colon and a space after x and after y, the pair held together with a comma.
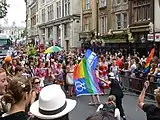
x: 116, y: 90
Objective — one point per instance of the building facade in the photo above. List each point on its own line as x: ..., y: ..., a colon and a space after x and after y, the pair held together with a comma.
x: 141, y: 23
x: 59, y: 22
x: 32, y: 20
x: 105, y: 20
x: 93, y: 20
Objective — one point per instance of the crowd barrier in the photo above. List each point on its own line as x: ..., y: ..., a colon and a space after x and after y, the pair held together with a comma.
x: 135, y: 85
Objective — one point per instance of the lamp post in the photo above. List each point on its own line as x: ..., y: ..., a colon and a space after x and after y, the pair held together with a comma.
x: 26, y: 31
x: 97, y: 25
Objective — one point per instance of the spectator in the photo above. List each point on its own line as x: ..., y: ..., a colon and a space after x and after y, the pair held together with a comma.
x: 52, y: 106
x: 152, y: 111
x: 3, y: 86
x: 18, y: 95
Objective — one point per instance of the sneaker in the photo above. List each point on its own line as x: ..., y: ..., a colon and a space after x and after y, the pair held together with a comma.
x: 124, y: 117
x: 91, y: 103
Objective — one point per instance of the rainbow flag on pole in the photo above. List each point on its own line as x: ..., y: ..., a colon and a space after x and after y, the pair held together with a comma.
x: 85, y: 81
x: 148, y: 61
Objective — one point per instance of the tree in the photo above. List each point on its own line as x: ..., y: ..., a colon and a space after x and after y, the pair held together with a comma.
x: 3, y: 8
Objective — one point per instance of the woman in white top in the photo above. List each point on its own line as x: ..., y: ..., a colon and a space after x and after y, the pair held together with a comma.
x: 110, y: 106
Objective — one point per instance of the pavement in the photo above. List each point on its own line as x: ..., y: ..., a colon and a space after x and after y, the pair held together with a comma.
x: 132, y: 112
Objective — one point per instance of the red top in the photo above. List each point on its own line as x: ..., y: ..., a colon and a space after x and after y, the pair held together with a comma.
x: 119, y: 63
x: 103, y: 70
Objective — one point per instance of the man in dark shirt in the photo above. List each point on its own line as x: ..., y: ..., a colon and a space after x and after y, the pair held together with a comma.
x: 152, y: 111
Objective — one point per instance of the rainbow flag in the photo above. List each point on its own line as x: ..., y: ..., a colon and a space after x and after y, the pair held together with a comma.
x: 148, y: 61
x: 85, y: 81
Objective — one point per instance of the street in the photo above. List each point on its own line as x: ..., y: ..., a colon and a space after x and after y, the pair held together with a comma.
x: 82, y: 109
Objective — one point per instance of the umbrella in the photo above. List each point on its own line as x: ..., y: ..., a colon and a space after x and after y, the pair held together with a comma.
x: 53, y: 49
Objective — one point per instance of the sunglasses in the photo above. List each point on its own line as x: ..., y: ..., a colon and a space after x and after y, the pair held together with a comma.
x: 37, y: 83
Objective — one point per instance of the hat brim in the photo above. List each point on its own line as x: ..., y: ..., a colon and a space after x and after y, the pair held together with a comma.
x: 34, y: 109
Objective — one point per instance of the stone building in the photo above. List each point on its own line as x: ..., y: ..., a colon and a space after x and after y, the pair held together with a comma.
x: 59, y: 22
x: 105, y: 20
x: 141, y: 22
x: 32, y: 20
x: 54, y: 22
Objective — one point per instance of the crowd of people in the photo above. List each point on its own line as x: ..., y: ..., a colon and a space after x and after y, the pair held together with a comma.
x: 26, y: 83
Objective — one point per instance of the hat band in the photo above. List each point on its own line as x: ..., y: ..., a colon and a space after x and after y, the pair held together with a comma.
x: 53, y: 112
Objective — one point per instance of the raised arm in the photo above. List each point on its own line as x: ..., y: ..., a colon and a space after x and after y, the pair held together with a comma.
x: 142, y: 95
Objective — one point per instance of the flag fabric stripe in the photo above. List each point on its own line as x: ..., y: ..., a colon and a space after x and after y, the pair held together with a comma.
x: 85, y: 81
x: 148, y: 61
x: 91, y: 80
x: 87, y: 76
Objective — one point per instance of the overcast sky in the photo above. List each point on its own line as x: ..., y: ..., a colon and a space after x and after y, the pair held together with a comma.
x: 16, y: 12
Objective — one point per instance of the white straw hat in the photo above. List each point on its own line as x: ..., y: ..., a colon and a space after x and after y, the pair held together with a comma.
x: 52, y: 103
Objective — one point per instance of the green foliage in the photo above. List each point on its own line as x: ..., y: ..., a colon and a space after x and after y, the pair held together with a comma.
x: 32, y: 50
x: 3, y: 8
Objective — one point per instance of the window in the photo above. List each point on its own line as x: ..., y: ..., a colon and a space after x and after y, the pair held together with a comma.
x: 87, y: 4
x: 118, y: 19
x: 66, y: 30
x: 125, y: 18
x: 43, y: 15
x: 124, y: 1
x: 63, y: 8
x: 86, y: 24
x: 148, y: 12
x: 37, y: 18
x: 118, y: 1
x: 58, y: 9
x: 42, y: 1
x: 50, y: 12
x: 33, y: 21
x: 33, y: 10
x: 103, y: 3
x: 68, y: 7
x: 103, y: 24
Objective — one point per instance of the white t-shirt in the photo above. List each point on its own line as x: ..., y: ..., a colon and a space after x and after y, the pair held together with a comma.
x: 116, y: 113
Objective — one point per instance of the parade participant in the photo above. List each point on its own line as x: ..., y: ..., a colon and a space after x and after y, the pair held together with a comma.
x: 116, y: 90
x: 114, y: 69
x: 7, y: 65
x: 59, y: 75
x: 50, y: 77
x: 152, y: 111
x: 103, y: 71
x: 54, y: 106
x: 69, y: 77
x: 18, y: 95
x: 110, y: 106
x: 95, y: 98
x: 3, y: 86
x: 40, y: 71
x: 13, y: 67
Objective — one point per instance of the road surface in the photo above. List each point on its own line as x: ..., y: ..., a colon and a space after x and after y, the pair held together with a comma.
x: 83, y: 110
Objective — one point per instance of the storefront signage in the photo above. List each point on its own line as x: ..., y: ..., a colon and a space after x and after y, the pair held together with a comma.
x: 151, y: 37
